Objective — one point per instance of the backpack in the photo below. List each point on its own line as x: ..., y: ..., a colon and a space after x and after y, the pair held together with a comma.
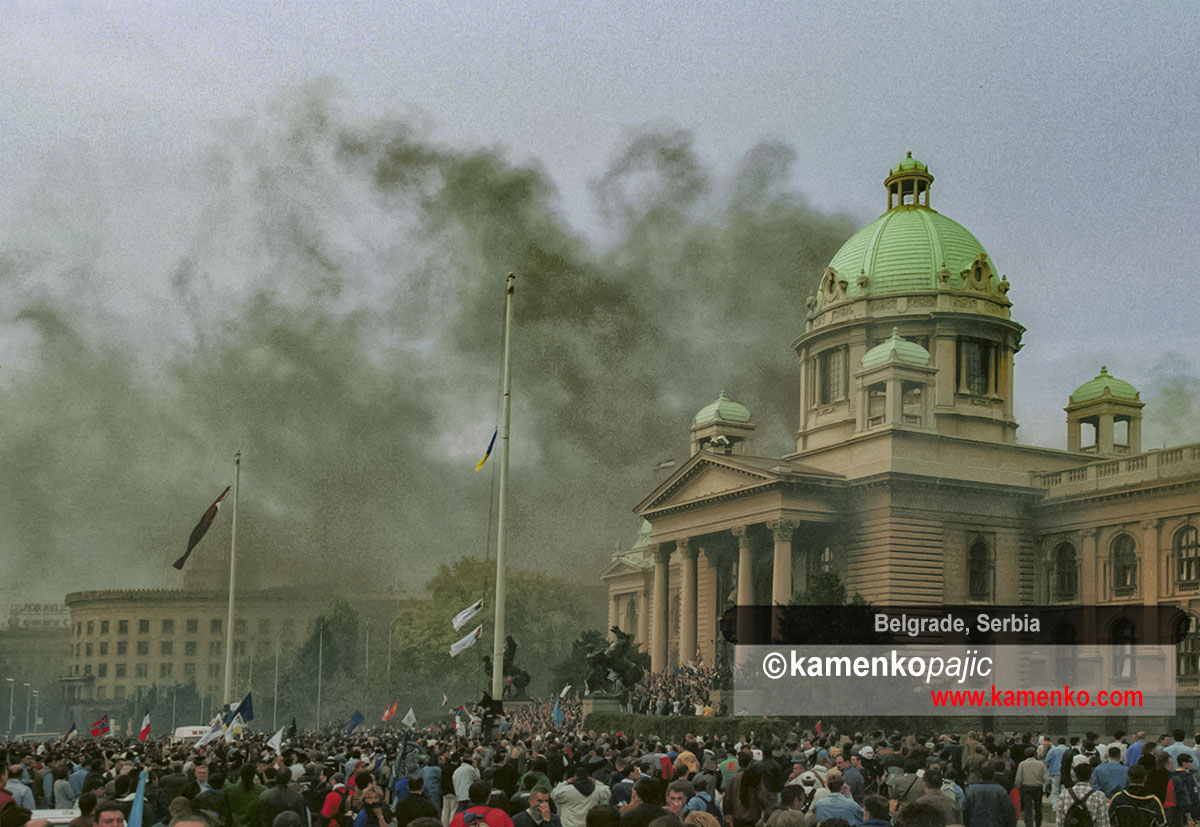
x: 1078, y: 814
x: 712, y: 807
x: 338, y: 819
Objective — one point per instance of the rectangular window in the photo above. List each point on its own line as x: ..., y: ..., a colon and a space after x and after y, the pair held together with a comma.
x: 78, y: 629
x: 101, y: 692
x: 975, y: 366
x: 214, y: 626
x: 189, y: 670
x: 831, y: 375
x: 104, y: 627
x: 239, y: 647
x: 264, y: 626
x: 120, y: 673
x: 87, y: 670
x: 119, y: 692
x: 214, y: 648
x: 140, y: 670
x: 87, y: 649
x: 143, y: 647
x: 78, y: 650
x: 102, y: 670
x: 104, y: 647
x: 143, y: 627
x: 168, y: 627
x: 189, y: 648
x: 193, y: 626
x: 122, y: 628
x: 91, y: 627
x: 239, y: 627
x: 168, y: 648
x: 214, y: 670
x: 165, y: 670
x: 122, y: 647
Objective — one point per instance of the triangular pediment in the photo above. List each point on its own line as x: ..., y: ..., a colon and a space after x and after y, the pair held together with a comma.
x: 702, y: 478
x: 621, y: 566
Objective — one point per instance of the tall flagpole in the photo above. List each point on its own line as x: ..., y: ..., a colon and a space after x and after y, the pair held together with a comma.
x: 237, y: 474
x: 275, y: 694
x: 498, y: 626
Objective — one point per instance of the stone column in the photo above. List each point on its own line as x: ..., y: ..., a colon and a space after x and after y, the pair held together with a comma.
x: 895, y: 402
x: 1104, y: 435
x: 643, y: 629
x: 687, y: 601
x: 1090, y: 589
x: 781, y: 573
x: 1151, y: 566
x: 612, y: 616
x: 745, y: 578
x: 662, y: 614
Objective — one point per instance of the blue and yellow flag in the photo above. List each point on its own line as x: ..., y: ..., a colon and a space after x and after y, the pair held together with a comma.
x: 488, y: 452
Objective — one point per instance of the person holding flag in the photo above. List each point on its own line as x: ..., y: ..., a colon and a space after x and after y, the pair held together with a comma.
x: 144, y: 732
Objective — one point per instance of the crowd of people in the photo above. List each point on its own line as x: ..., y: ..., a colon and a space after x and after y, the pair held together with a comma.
x: 682, y: 691
x: 543, y: 770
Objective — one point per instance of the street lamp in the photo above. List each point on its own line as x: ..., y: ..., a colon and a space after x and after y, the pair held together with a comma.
x: 12, y: 687
x: 28, y: 699
x: 320, y: 666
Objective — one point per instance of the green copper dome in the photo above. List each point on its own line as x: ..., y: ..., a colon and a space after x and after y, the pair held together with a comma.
x: 904, y: 249
x: 1105, y: 383
x: 909, y: 163
x: 724, y: 409
x: 895, y: 349
x: 643, y: 539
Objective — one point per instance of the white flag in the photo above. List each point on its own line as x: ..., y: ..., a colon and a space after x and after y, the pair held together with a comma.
x: 276, y: 742
x: 445, y: 700
x: 409, y: 719
x: 466, y: 614
x: 213, y: 733
x: 565, y: 690
x: 465, y: 643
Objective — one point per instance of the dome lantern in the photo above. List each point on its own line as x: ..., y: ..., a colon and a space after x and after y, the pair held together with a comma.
x: 907, y: 182
x: 723, y: 426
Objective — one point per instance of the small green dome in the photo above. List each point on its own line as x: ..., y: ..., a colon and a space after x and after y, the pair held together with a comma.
x: 909, y: 163
x: 1102, y: 384
x: 724, y: 409
x: 895, y: 349
x: 643, y: 538
x: 904, y: 249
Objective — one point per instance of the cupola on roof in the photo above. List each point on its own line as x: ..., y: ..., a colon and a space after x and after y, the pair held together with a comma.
x: 724, y: 409
x: 895, y: 349
x: 1105, y: 384
x: 912, y: 247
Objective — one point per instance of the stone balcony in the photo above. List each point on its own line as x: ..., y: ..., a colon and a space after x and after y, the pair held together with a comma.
x: 1114, y: 474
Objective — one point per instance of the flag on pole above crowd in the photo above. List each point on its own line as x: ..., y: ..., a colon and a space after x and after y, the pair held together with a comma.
x: 144, y: 732
x: 390, y: 712
x: 466, y: 614
x: 215, y: 731
x: 100, y: 728
x: 558, y: 714
x: 276, y: 742
x: 488, y: 452
x: 409, y: 719
x: 445, y: 700
x: 565, y: 690
x: 139, y: 801
x: 458, y: 721
x: 71, y: 731
x: 243, y: 709
x: 465, y: 643
x: 355, y: 719
x: 206, y: 520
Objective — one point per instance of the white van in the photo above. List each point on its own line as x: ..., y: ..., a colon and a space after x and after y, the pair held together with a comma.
x: 190, y: 733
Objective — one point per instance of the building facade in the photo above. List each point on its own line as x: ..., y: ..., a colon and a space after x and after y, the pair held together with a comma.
x: 907, y: 479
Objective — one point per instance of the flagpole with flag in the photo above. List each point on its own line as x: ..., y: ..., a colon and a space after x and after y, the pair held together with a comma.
x: 139, y: 800
x: 498, y: 626
x: 237, y: 474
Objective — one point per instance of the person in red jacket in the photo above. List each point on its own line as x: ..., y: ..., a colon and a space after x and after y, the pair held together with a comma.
x: 479, y: 814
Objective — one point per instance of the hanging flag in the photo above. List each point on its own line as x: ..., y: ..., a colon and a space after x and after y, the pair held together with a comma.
x: 409, y: 719
x: 355, y: 719
x: 144, y: 732
x: 458, y: 722
x: 445, y: 700
x: 100, y: 728
x: 71, y: 731
x: 465, y: 643
x: 558, y: 714
x: 276, y: 742
x: 201, y: 528
x: 466, y: 614
x: 390, y: 712
x: 565, y: 690
x: 488, y: 452
x: 664, y: 465
x: 244, y: 710
x: 139, y: 800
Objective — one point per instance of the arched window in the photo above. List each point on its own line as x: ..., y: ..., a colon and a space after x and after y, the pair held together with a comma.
x: 1066, y: 572
x: 1187, y: 648
x: 1124, y: 565
x: 1186, y: 547
x: 1122, y: 636
x: 631, y: 618
x: 979, y: 572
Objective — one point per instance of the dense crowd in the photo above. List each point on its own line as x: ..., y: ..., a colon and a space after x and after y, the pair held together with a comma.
x: 534, y: 773
x: 682, y: 691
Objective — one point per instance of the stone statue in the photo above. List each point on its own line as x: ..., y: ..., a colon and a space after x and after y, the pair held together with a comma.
x: 515, y: 679
x: 615, y: 667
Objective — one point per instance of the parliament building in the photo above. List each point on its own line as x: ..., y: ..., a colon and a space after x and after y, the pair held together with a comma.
x: 907, y: 479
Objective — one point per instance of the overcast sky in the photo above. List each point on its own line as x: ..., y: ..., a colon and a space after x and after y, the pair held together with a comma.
x: 1063, y: 135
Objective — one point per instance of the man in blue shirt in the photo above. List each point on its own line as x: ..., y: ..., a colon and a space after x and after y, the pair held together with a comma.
x: 1053, y: 762
x: 1111, y: 776
x: 838, y: 804
x: 1135, y: 750
x: 76, y: 779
